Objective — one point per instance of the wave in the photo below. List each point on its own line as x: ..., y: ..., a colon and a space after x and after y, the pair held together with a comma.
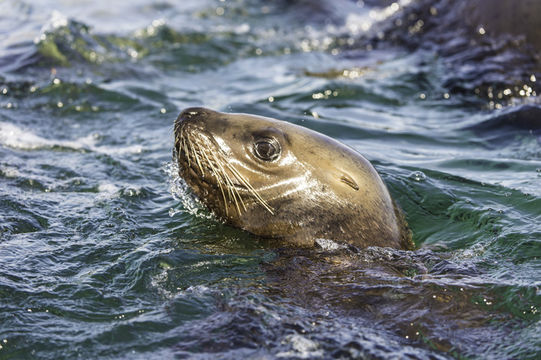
x: 22, y: 139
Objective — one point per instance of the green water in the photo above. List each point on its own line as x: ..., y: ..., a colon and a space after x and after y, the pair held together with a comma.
x: 103, y: 253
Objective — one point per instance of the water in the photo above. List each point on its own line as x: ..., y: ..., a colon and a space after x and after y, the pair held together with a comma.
x: 104, y: 255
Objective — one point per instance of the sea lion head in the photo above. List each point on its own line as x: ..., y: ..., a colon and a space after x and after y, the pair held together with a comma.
x: 280, y: 180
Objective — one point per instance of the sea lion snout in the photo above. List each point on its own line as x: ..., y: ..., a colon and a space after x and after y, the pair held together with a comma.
x: 211, y: 122
x: 193, y: 114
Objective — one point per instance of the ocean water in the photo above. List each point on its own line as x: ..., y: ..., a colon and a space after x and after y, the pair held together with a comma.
x: 104, y: 253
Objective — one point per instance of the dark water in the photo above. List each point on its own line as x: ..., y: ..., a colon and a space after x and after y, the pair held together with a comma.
x: 104, y: 255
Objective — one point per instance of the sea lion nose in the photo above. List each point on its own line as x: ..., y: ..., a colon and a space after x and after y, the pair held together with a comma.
x: 192, y: 112
x: 194, y: 115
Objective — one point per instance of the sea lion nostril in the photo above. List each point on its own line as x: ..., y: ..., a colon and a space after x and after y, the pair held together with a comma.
x: 190, y: 112
x: 188, y: 115
x: 194, y: 115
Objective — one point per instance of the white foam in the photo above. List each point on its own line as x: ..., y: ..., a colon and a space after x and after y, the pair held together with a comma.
x: 108, y: 188
x: 14, y: 137
x: 56, y: 21
x: 198, y: 290
x: 330, y: 245
x: 302, y: 347
x: 157, y: 281
x: 17, y: 138
x: 10, y: 172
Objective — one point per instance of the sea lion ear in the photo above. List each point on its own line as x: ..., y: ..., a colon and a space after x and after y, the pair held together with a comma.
x: 348, y: 180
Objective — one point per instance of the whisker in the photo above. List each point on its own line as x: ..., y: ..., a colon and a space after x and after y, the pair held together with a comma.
x: 217, y: 175
x: 186, y: 150
x: 201, y: 151
x: 224, y: 176
x: 232, y: 191
x: 234, y: 194
x: 196, y: 150
x: 245, y: 182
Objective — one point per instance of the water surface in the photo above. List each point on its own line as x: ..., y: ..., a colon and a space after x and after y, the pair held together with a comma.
x: 103, y: 254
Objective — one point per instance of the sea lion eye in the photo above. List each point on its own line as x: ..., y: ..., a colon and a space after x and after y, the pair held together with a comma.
x: 267, y: 149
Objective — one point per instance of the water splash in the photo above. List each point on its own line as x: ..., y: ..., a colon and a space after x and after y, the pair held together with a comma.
x: 181, y: 192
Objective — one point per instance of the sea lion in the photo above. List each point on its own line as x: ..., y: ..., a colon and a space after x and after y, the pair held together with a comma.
x: 279, y: 180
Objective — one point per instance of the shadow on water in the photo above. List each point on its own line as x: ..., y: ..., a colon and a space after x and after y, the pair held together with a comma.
x: 515, y: 124
x: 418, y: 296
x: 372, y: 303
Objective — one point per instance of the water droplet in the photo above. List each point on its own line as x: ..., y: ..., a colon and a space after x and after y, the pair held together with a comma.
x: 133, y: 53
x: 418, y: 176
